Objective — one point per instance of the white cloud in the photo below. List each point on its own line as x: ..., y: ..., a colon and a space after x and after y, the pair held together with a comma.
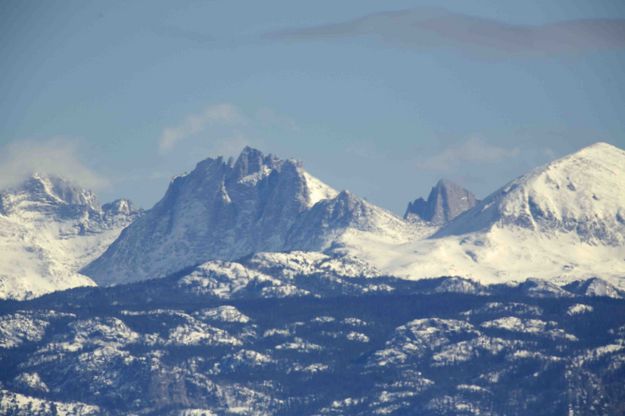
x: 472, y: 151
x: 56, y: 156
x: 219, y: 114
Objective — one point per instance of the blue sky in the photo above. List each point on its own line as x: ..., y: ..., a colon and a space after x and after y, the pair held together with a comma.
x: 381, y: 98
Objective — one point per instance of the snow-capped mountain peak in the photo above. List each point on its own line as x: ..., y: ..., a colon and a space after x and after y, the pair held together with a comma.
x: 46, y: 192
x: 49, y: 228
x: 562, y: 222
x: 220, y: 210
x: 576, y: 193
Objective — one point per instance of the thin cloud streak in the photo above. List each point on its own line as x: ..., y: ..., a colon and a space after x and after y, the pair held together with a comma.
x: 219, y: 114
x: 424, y: 28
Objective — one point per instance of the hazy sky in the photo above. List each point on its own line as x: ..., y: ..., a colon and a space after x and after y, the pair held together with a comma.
x: 381, y: 98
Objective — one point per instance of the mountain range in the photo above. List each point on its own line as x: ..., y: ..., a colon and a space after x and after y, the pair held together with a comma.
x: 252, y: 288
x: 563, y: 221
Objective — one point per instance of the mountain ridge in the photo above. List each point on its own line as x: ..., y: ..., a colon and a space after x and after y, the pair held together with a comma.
x: 563, y: 221
x: 49, y: 228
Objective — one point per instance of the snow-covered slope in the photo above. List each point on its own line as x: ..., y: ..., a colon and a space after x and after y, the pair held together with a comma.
x: 49, y: 229
x: 563, y: 221
x: 583, y: 193
x: 332, y: 220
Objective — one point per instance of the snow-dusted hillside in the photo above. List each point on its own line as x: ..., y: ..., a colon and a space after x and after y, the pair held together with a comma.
x: 49, y: 229
x: 329, y: 220
x: 227, y: 210
x: 563, y: 221
x: 181, y: 346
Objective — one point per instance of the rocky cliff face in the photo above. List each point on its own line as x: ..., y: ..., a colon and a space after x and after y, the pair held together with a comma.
x: 227, y: 210
x: 446, y: 201
x: 221, y: 210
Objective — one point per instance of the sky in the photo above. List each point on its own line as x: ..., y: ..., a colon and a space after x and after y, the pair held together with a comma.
x: 380, y: 98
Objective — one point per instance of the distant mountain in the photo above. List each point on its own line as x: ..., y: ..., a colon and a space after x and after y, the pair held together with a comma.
x: 230, y: 209
x: 446, y: 201
x: 49, y: 229
x: 253, y: 288
x: 220, y: 210
x: 563, y: 221
x: 583, y: 193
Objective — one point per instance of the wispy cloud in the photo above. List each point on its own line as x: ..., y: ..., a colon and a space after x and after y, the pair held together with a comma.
x: 472, y: 151
x: 439, y: 28
x: 56, y: 156
x: 219, y: 114
x: 226, y: 129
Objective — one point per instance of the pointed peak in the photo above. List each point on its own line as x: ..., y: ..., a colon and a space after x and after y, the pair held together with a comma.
x: 252, y: 161
x: 446, y: 201
x: 249, y: 151
x: 347, y: 196
x: 45, y: 179
x: 50, y: 194
x: 445, y: 183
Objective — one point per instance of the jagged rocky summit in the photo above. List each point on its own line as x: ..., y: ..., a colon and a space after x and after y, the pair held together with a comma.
x: 445, y: 202
x: 230, y: 209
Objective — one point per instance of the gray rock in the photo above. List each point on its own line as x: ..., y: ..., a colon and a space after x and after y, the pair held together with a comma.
x: 446, y: 201
x: 220, y: 210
